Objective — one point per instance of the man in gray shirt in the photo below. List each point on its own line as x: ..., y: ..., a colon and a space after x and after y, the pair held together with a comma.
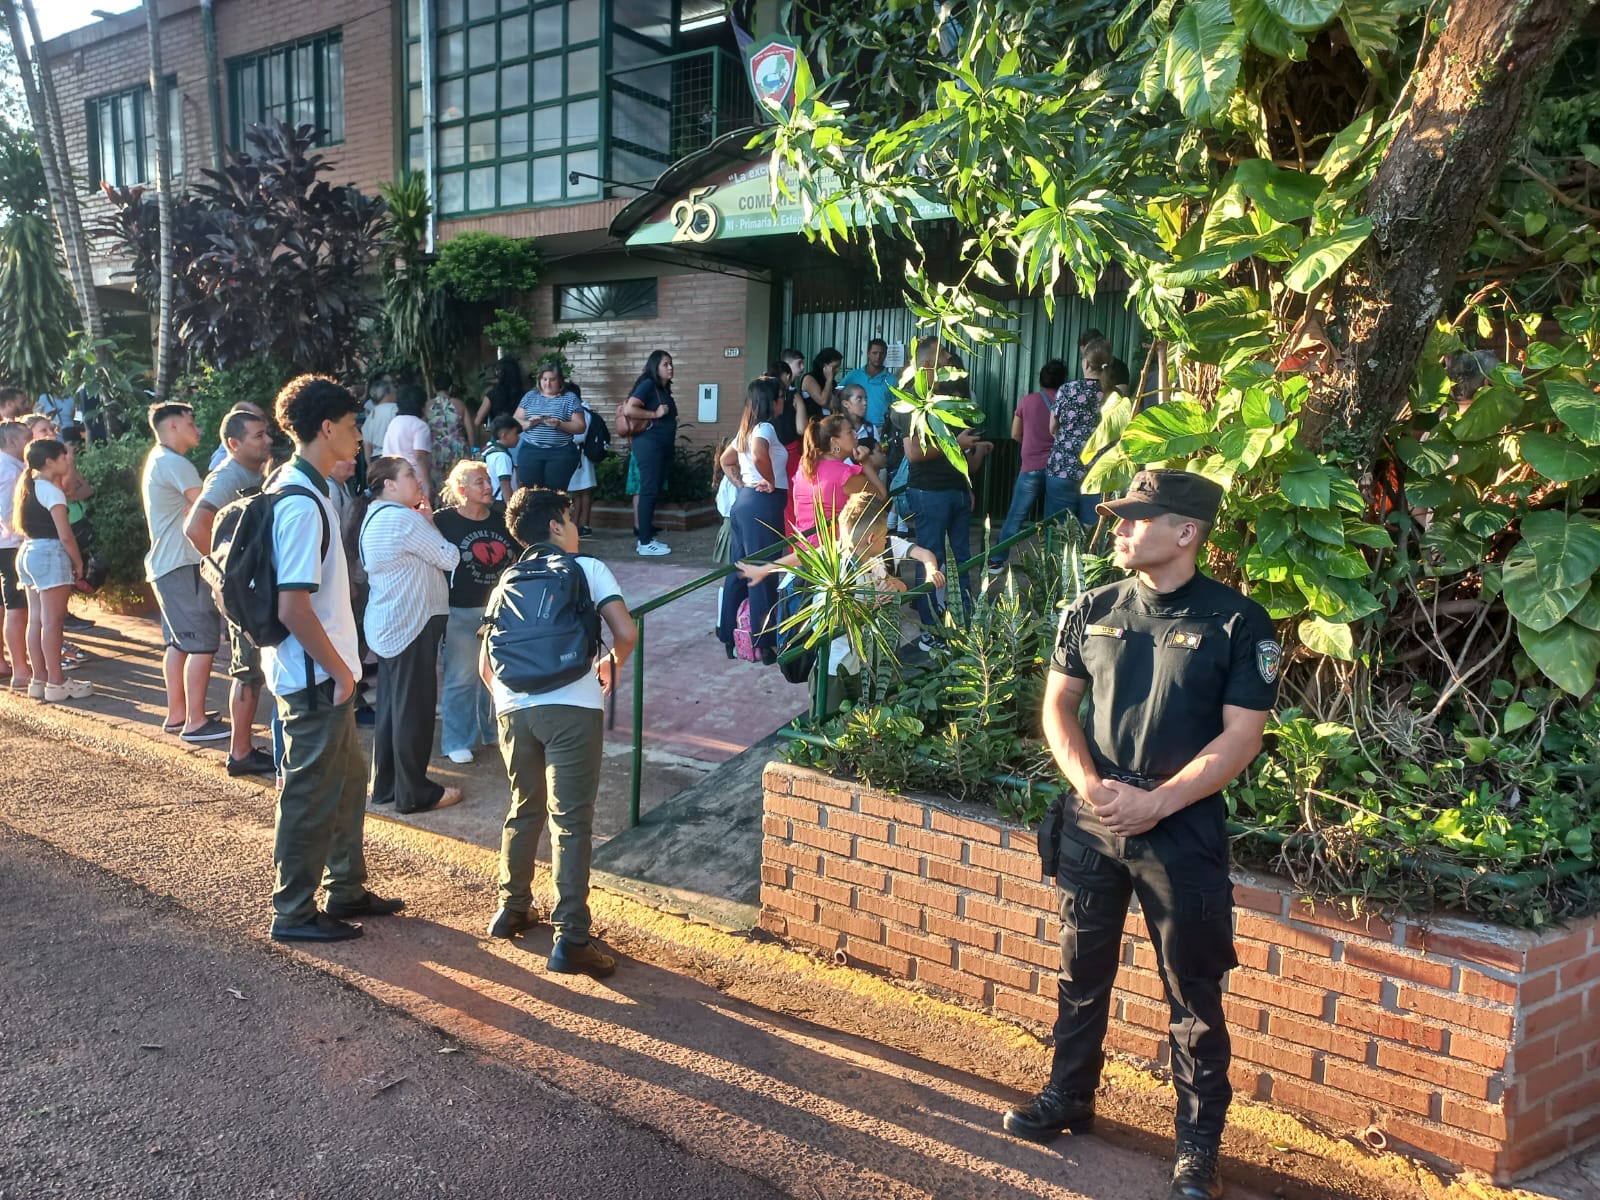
x: 191, y: 627
x: 249, y: 442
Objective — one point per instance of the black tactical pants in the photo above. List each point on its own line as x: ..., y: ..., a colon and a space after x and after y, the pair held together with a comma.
x: 1179, y: 871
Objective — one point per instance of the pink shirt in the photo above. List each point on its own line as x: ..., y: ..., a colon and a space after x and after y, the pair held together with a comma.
x: 821, y: 499
x: 1034, y: 410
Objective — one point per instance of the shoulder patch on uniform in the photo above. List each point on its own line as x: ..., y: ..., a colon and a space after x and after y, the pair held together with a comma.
x: 1269, y: 656
x: 1110, y: 631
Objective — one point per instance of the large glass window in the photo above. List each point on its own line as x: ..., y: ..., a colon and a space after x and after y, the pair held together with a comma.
x: 518, y: 104
x: 122, y: 151
x: 301, y: 83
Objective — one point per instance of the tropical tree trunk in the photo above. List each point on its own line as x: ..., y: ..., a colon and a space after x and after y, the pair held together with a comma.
x: 165, y: 350
x: 1473, y: 96
x: 39, y: 90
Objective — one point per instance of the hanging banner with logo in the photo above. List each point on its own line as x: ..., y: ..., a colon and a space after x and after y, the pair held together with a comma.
x: 770, y: 69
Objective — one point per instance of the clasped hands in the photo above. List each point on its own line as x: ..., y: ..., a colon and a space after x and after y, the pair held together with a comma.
x: 1124, y: 808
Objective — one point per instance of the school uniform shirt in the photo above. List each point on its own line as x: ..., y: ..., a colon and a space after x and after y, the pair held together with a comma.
x: 580, y: 693
x: 300, y: 565
x: 167, y: 476
x: 500, y: 463
x: 405, y: 437
x: 407, y: 562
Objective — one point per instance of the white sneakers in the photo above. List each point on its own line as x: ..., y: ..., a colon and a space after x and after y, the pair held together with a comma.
x: 653, y: 548
x: 460, y: 756
x: 72, y: 689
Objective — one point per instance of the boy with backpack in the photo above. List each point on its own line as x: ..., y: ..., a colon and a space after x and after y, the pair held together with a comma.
x: 312, y: 662
x: 500, y: 457
x: 543, y: 663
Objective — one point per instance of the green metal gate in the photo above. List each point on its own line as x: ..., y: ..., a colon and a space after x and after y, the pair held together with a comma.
x: 999, y: 375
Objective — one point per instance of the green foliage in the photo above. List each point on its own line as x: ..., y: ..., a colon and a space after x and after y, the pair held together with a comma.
x: 113, y: 369
x: 422, y: 325
x: 121, y: 539
x: 509, y: 329
x: 37, y: 310
x: 553, y: 349
x: 214, y: 392
x: 486, y: 268
x: 688, y: 477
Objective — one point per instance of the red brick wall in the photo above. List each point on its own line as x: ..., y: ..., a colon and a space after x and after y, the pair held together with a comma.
x: 1475, y: 1044
x: 699, y: 316
x: 85, y: 69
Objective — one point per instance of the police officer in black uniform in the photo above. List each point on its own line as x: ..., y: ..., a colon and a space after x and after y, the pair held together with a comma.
x: 1181, y: 672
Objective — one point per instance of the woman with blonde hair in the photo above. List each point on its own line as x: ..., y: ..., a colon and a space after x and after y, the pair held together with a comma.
x: 476, y: 526
x: 408, y: 600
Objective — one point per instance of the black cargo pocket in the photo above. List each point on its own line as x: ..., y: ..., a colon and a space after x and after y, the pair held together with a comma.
x: 1203, y: 945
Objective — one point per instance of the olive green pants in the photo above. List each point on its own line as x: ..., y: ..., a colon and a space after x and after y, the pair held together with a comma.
x: 322, y: 810
x: 552, y: 755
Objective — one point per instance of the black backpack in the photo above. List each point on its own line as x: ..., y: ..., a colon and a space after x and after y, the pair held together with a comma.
x: 597, y: 442
x: 543, y: 629
x: 241, y: 568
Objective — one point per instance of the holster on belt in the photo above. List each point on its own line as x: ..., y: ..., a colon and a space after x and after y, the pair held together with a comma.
x: 1050, y: 829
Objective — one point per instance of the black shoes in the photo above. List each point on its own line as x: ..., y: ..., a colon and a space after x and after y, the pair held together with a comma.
x: 370, y: 906
x: 254, y: 763
x: 1195, y: 1175
x: 1049, y: 1113
x: 508, y: 922
x: 321, y: 928
x: 571, y: 958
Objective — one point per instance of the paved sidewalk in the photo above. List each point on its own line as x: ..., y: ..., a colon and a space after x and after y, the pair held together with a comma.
x: 701, y: 708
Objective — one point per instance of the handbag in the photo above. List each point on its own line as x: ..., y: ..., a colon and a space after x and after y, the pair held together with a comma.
x: 627, y: 426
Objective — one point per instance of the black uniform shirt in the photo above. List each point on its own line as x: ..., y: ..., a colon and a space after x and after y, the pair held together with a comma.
x: 1161, y: 666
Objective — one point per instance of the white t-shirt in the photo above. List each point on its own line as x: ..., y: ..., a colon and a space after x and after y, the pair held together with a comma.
x: 10, y: 468
x: 580, y: 693
x: 500, y: 463
x: 376, y: 426
x: 405, y: 437
x: 167, y: 479
x: 296, y: 543
x: 780, y: 458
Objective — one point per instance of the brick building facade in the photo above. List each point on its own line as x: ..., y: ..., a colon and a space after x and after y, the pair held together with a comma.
x: 356, y: 66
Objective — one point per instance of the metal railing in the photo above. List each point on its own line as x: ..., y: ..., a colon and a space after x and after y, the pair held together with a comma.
x: 669, y: 107
x: 636, y: 775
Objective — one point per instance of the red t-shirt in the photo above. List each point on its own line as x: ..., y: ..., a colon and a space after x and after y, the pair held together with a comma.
x: 820, y: 499
x: 1034, y: 410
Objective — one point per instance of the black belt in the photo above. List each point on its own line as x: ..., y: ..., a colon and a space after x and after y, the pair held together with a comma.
x: 1147, y: 782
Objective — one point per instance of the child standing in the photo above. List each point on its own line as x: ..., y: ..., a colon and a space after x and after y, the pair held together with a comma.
x: 47, y: 564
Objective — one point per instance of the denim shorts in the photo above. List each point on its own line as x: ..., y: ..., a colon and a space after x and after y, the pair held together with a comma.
x: 42, y: 564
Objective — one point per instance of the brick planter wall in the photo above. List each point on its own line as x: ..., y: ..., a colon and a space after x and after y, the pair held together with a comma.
x: 1473, y: 1043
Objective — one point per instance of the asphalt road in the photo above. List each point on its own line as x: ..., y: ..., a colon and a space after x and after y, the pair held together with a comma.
x: 144, y: 1056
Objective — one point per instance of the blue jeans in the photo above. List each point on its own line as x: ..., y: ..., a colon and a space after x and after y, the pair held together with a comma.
x: 942, y: 513
x: 1030, y: 485
x: 466, y: 712
x: 757, y: 520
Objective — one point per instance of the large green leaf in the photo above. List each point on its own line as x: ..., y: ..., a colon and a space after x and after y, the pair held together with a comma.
x: 1587, y: 613
x: 1306, y: 489
x: 1346, y: 147
x: 1325, y: 253
x: 1224, y: 319
x: 1568, y: 653
x: 1454, y: 547
x: 1373, y: 26
x: 1114, y: 417
x: 1328, y: 637
x: 1577, y: 406
x: 1305, y: 16
x: 1566, y: 549
x: 1203, y: 54
x: 1242, y: 446
x: 1262, y: 409
x: 1321, y: 525
x: 1531, y: 602
x: 1282, y: 194
x: 1558, y: 459
x: 1269, y: 32
x: 1179, y: 427
x: 1491, y: 410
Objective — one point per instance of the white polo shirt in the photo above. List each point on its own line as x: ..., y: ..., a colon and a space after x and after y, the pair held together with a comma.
x: 296, y: 543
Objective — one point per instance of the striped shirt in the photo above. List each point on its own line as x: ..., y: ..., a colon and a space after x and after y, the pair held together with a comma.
x: 406, y: 560
x: 537, y: 404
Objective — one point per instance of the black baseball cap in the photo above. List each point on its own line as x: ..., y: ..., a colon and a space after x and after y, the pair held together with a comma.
x: 1154, y: 493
